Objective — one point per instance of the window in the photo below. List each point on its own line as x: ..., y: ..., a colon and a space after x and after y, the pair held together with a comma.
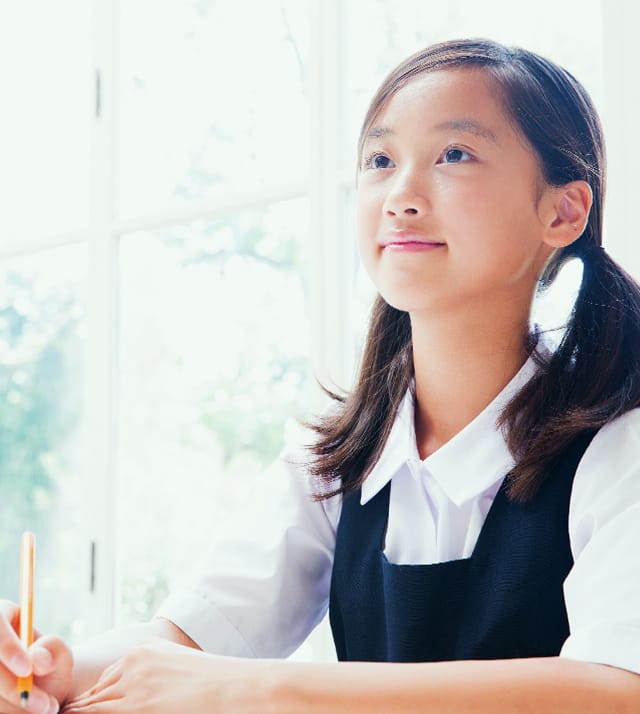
x: 213, y: 365
x: 46, y: 80
x: 177, y: 254
x: 42, y: 331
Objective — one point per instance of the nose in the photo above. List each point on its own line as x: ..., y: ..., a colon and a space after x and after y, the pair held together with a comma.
x: 409, y: 211
x: 406, y: 198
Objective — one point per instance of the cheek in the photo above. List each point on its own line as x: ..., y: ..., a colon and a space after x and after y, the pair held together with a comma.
x: 493, y: 217
x: 366, y: 225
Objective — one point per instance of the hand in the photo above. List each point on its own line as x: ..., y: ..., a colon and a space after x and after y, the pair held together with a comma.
x: 161, y: 677
x: 49, y: 659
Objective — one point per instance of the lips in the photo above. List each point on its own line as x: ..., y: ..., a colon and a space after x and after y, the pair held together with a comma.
x: 408, y: 239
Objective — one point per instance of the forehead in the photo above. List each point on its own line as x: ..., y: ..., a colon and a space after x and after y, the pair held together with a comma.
x: 451, y: 98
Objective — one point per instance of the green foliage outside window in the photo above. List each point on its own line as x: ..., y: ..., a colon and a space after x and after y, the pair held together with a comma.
x: 40, y: 408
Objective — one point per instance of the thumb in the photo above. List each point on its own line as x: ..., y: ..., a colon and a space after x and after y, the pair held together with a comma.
x: 52, y: 665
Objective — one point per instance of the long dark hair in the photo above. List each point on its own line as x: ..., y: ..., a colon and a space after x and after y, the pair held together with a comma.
x: 592, y: 377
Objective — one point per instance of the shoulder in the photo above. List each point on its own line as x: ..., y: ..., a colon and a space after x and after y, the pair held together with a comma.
x: 294, y: 473
x: 625, y: 429
x: 607, y: 480
x: 603, y: 587
x: 614, y: 448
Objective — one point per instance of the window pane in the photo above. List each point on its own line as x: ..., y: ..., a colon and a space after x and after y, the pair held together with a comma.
x: 214, y: 364
x: 47, y: 105
x: 401, y: 28
x: 212, y: 101
x: 41, y: 347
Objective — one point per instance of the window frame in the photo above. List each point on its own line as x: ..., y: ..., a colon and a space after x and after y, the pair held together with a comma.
x: 331, y: 283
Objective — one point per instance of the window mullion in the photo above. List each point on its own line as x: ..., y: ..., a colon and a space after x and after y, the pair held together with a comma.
x: 330, y: 250
x: 102, y: 332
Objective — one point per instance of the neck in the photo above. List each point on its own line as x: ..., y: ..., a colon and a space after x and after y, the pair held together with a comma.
x: 460, y: 366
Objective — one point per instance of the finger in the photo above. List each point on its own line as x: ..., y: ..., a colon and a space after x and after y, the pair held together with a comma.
x: 106, y: 694
x: 87, y: 709
x: 50, y: 653
x: 39, y: 702
x: 93, y: 706
x: 96, y: 691
x: 53, y: 666
x: 52, y: 706
x: 10, y: 611
x: 9, y: 686
x: 108, y: 678
x: 42, y: 660
x: 12, y: 653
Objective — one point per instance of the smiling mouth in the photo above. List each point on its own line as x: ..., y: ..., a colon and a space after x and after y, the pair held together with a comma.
x: 410, y: 245
x: 403, y: 239
x: 410, y: 242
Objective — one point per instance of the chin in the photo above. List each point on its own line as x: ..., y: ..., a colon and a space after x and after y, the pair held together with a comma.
x: 406, y: 302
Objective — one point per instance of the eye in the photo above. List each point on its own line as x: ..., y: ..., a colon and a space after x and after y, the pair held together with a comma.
x: 455, y: 151
x: 376, y: 160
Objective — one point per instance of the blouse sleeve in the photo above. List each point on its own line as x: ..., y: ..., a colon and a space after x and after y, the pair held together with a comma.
x: 602, y: 590
x: 264, y: 589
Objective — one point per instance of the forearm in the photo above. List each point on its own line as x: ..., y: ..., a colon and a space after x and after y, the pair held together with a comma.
x: 519, y: 686
x: 91, y: 658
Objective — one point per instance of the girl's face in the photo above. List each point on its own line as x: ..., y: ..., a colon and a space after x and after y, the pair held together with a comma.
x: 446, y: 214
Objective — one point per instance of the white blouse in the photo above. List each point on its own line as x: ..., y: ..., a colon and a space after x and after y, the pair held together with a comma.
x: 261, y: 593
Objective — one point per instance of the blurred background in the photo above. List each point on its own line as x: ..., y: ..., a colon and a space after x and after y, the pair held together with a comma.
x: 177, y: 256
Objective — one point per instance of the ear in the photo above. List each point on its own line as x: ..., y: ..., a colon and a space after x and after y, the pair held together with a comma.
x: 567, y: 213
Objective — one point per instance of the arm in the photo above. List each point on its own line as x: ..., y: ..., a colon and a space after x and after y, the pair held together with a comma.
x: 164, y: 678
x: 56, y: 674
x: 91, y: 658
x: 515, y: 686
x: 259, y: 596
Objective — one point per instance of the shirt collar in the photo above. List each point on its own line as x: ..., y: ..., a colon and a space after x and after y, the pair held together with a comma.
x: 398, y: 449
x: 469, y: 463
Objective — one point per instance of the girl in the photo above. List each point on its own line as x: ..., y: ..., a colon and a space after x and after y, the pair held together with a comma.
x: 469, y: 512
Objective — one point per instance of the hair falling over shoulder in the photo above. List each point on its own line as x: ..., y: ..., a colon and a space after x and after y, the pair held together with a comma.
x: 592, y: 377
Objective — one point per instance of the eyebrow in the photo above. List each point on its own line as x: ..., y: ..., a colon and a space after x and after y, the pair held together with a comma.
x: 463, y: 124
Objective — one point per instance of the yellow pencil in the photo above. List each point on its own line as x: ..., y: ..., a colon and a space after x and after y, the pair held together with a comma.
x: 27, y: 566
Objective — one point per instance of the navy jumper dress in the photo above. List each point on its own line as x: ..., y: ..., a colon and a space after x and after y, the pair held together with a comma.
x: 505, y: 601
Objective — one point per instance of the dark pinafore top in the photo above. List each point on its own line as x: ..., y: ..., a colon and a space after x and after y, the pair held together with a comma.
x: 504, y: 601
